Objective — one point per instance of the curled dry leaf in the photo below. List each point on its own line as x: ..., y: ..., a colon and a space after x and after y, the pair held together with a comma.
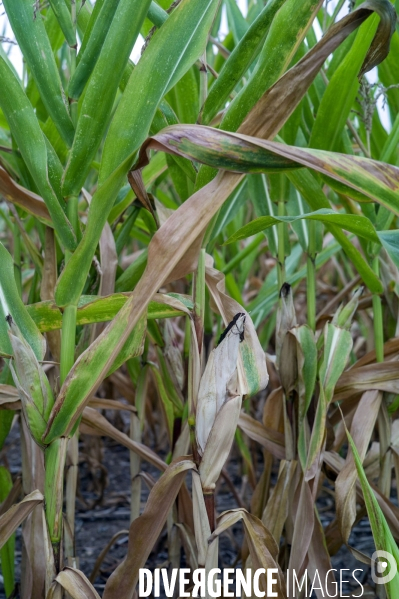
x: 76, y: 584
x: 214, y: 389
x: 286, y: 345
x: 13, y: 517
x: 303, y: 516
x: 26, y: 199
x: 382, y: 375
x: 253, y: 375
x: 9, y: 397
x: 262, y: 546
x: 219, y: 442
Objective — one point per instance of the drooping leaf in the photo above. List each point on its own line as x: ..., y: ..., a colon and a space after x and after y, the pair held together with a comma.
x: 145, y: 530
x: 10, y: 521
x: 240, y: 153
x: 24, y: 198
x: 76, y: 584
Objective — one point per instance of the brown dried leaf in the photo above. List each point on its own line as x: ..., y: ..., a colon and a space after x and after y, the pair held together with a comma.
x: 252, y: 365
x: 145, y: 530
x: 383, y: 376
x: 13, y: 517
x: 262, y: 546
x: 76, y: 584
x: 24, y: 198
x: 272, y: 440
x: 98, y: 425
x: 276, y: 511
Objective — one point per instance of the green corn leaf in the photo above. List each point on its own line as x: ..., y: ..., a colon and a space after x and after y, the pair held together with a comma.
x: 26, y: 130
x: 7, y: 552
x: 83, y: 381
x: 380, y: 528
x: 230, y: 209
x: 54, y: 463
x: 237, y: 23
x: 83, y: 16
x: 238, y: 62
x: 307, y: 371
x: 337, y: 347
x: 390, y: 241
x: 165, y: 399
x: 185, y: 97
x: 341, y: 92
x: 169, y: 381
x: 182, y: 38
x: 32, y: 38
x: 285, y: 35
x: 311, y: 190
x: 129, y: 279
x: 165, y: 116
x: 359, y: 225
x: 87, y: 26
x: 63, y: 15
x: 150, y: 173
x: 156, y: 14
x: 92, y: 44
x: 389, y: 151
x: 134, y: 345
x: 344, y: 315
x: 91, y: 309
x: 105, y: 79
x: 6, y: 419
x: 11, y: 304
x: 7, y: 416
x: 32, y: 384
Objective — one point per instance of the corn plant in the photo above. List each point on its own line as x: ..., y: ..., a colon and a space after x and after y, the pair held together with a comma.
x: 216, y: 222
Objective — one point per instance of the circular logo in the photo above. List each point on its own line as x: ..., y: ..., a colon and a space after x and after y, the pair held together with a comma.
x: 383, y: 567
